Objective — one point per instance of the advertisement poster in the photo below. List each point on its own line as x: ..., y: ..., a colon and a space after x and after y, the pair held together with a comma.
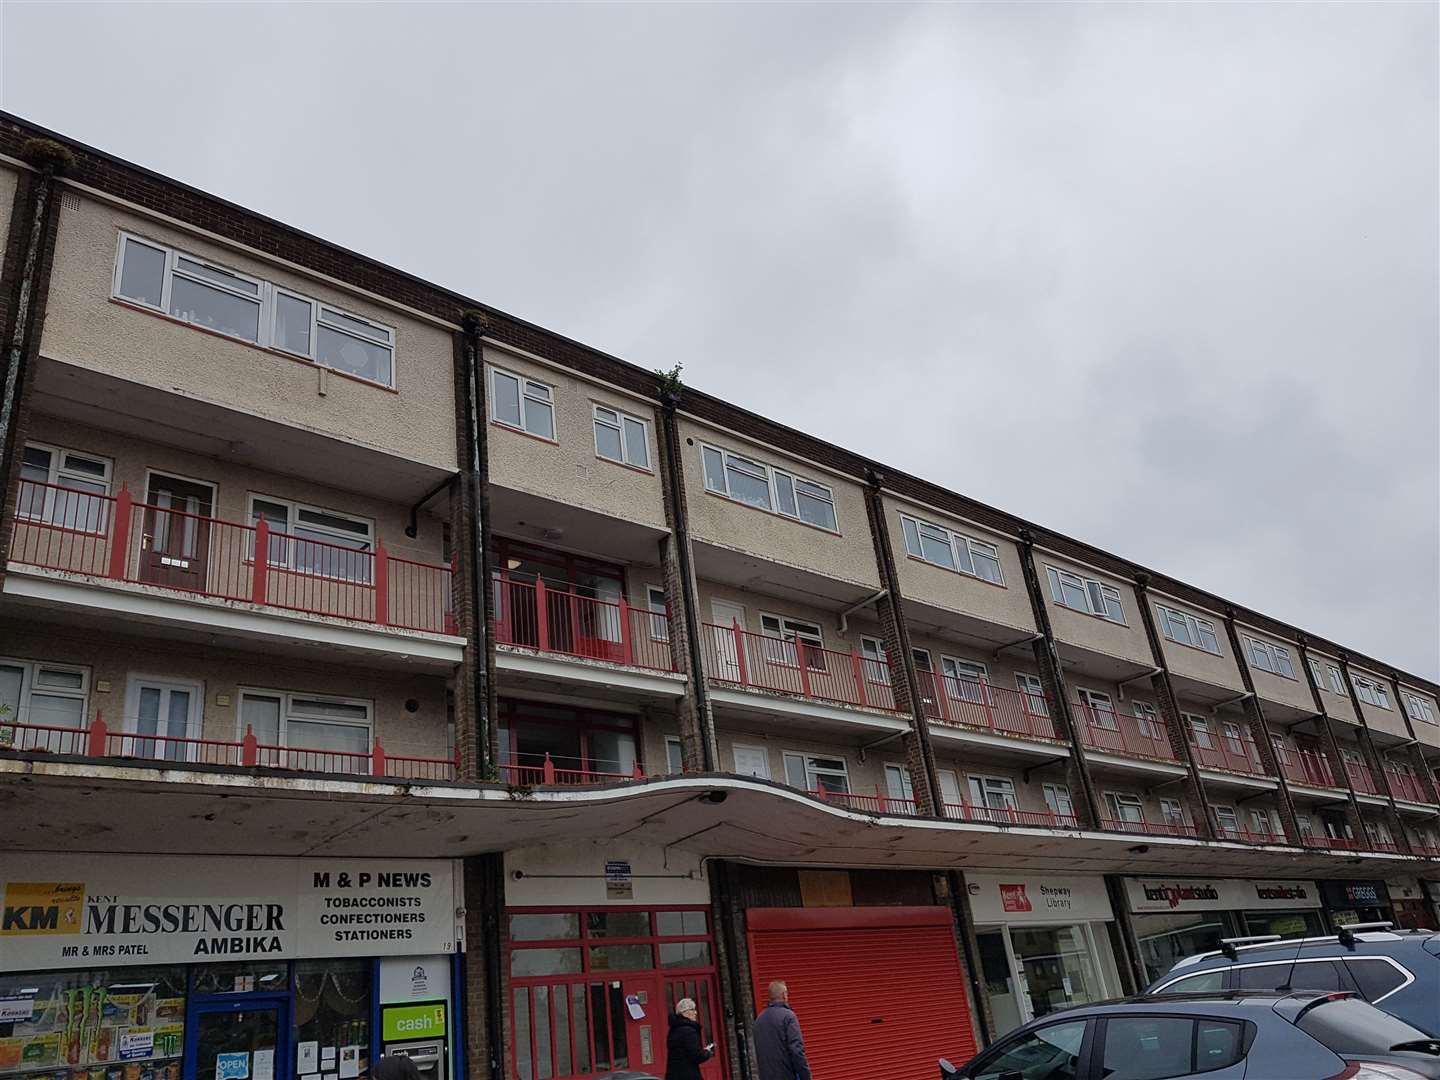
x: 110, y: 910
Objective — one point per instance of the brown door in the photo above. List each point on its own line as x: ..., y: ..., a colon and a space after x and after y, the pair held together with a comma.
x: 175, y: 547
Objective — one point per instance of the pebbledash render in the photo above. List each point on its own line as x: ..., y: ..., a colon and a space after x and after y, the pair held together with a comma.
x: 381, y: 673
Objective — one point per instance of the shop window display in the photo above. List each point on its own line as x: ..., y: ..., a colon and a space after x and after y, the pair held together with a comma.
x: 332, y: 1005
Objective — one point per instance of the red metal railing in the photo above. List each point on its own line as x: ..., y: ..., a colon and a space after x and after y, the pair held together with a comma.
x: 1248, y: 836
x: 1332, y: 843
x: 533, y: 615
x: 1426, y: 851
x: 97, y: 740
x: 1362, y: 779
x: 1406, y: 785
x: 541, y: 769
x: 973, y: 703
x: 1306, y: 767
x: 738, y: 656
x: 1389, y: 847
x: 1151, y: 828
x: 115, y: 537
x: 1216, y: 750
x: 1044, y: 819
x: 1102, y: 729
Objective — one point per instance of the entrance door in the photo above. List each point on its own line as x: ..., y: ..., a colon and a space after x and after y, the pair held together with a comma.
x: 1057, y: 967
x: 645, y: 1035
x: 160, y: 715
x: 175, y: 546
x: 725, y: 617
x: 243, y: 1038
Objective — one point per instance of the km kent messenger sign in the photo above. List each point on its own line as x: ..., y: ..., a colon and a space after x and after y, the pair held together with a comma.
x: 59, y: 913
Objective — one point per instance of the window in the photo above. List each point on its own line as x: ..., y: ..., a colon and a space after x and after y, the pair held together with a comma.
x: 1125, y: 807
x: 1186, y: 629
x: 1153, y: 1047
x: 1034, y: 694
x: 875, y: 663
x: 1100, y: 708
x: 1172, y: 812
x: 952, y: 550
x: 1207, y: 982
x: 64, y: 488
x: 1307, y: 975
x: 621, y: 437
x: 1146, y: 719
x: 1337, y: 679
x: 659, y: 613
x: 315, y: 541
x: 993, y: 793
x: 1318, y: 670
x: 789, y: 638
x: 1226, y: 819
x: 779, y: 491
x: 1272, y: 658
x: 1057, y: 801
x: 1051, y: 1052
x: 1419, y: 709
x: 965, y: 680
x: 1085, y: 594
x: 1265, y: 823
x: 1379, y: 833
x: 1376, y: 977
x: 816, y: 773
x: 674, y: 754
x: 43, y: 695
x: 1370, y: 691
x: 1199, y: 728
x: 209, y: 295
x: 307, y: 721
x: 522, y: 403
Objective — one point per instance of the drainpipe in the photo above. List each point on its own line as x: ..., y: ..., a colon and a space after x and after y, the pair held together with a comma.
x: 474, y: 546
x: 844, y: 624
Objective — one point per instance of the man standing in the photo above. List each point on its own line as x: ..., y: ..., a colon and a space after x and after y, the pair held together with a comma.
x: 778, y: 1046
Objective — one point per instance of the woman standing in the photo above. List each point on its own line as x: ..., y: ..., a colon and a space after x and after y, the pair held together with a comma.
x: 683, y: 1052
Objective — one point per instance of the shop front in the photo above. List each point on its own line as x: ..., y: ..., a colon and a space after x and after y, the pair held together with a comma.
x: 1411, y: 903
x: 189, y: 968
x: 1045, y: 943
x: 1351, y: 902
x: 1178, y: 917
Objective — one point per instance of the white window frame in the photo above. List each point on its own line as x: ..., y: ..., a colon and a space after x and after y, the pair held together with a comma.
x: 774, y: 478
x: 267, y: 307
x: 812, y: 773
x: 963, y: 549
x: 1371, y: 691
x: 1193, y: 625
x: 672, y: 742
x: 1032, y: 693
x: 526, y: 389
x: 1317, y: 669
x: 874, y: 661
x: 1418, y: 709
x: 789, y: 631
x: 1337, y: 680
x: 980, y: 787
x: 1198, y: 730
x: 1091, y: 699
x: 154, y: 745
x: 294, y: 510
x: 659, y: 615
x: 764, y: 753
x: 1172, y: 812
x: 1147, y: 718
x: 1096, y: 593
x: 1269, y: 657
x: 57, y: 473
x: 619, y: 427
x: 29, y: 672
x: 1115, y: 800
x: 1221, y: 811
x: 288, y: 713
x: 1263, y: 822
x: 966, y: 680
x: 1055, y: 795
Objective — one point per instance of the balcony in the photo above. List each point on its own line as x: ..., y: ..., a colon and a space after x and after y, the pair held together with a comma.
x: 781, y: 666
x: 1225, y: 752
x: 1406, y: 785
x: 1149, y: 827
x: 1117, y: 733
x: 1307, y: 767
x: 98, y: 742
x: 1362, y: 779
x: 971, y: 703
x: 116, y: 539
x: 881, y: 803
x: 1333, y: 843
x: 561, y: 622
x: 1248, y: 836
x: 535, y: 770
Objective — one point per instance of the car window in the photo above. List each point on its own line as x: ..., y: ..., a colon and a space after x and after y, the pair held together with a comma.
x: 1375, y: 978
x: 1207, y: 982
x: 1218, y: 1044
x: 1351, y: 1026
x: 1049, y: 1053
x: 1147, y: 1047
x: 1313, y: 975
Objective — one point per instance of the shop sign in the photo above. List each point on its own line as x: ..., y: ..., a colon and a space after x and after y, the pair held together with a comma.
x: 414, y: 978
x: 401, y: 1022
x: 1020, y: 898
x: 112, y: 910
x: 1353, y: 894
x: 16, y: 1009
x: 1218, y: 894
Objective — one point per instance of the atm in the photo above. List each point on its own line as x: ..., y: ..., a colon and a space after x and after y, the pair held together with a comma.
x: 419, y: 1033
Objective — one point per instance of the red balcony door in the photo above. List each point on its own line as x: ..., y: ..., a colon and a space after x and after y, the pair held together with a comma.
x: 175, y: 546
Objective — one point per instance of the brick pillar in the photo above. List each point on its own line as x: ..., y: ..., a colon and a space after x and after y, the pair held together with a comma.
x: 1194, y: 786
x: 1260, y: 732
x: 951, y: 886
x: 1088, y: 809
x: 484, y: 1011
x: 476, y: 732
x: 1132, y: 970
x: 904, y: 678
x: 1375, y: 763
x: 732, y: 962
x: 694, y: 713
x: 24, y: 294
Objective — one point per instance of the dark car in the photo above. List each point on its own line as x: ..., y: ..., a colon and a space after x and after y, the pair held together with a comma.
x: 1232, y: 1036
x: 1395, y: 970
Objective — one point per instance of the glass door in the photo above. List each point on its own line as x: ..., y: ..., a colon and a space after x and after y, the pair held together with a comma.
x: 243, y: 1038
x: 161, y: 715
x: 1057, y: 967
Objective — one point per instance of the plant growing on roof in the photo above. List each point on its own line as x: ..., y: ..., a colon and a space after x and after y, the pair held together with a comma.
x: 670, y: 385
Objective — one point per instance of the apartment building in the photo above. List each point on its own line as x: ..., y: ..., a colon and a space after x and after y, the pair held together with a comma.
x: 562, y: 691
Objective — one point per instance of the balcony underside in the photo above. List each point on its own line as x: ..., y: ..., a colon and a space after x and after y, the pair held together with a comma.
x: 61, y: 804
x: 729, y: 566
x: 529, y: 671
x: 540, y: 520
x: 95, y: 603
x: 1202, y: 691
x: 1076, y: 659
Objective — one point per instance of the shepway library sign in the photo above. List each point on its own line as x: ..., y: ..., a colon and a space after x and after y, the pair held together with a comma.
x: 140, y: 909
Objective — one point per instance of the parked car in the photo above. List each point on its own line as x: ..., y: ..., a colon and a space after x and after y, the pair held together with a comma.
x: 1395, y: 970
x: 1242, y: 1035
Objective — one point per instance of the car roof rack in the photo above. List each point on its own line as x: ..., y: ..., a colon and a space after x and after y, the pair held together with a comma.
x: 1346, y: 933
x: 1228, y: 945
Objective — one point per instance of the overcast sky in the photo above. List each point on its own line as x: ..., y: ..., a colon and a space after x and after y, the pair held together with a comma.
x: 1161, y: 277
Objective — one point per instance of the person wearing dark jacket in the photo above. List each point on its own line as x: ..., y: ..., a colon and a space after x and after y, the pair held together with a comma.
x: 683, y: 1053
x: 776, y: 1034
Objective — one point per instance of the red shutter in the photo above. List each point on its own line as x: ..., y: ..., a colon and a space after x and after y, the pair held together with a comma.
x: 879, y: 992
